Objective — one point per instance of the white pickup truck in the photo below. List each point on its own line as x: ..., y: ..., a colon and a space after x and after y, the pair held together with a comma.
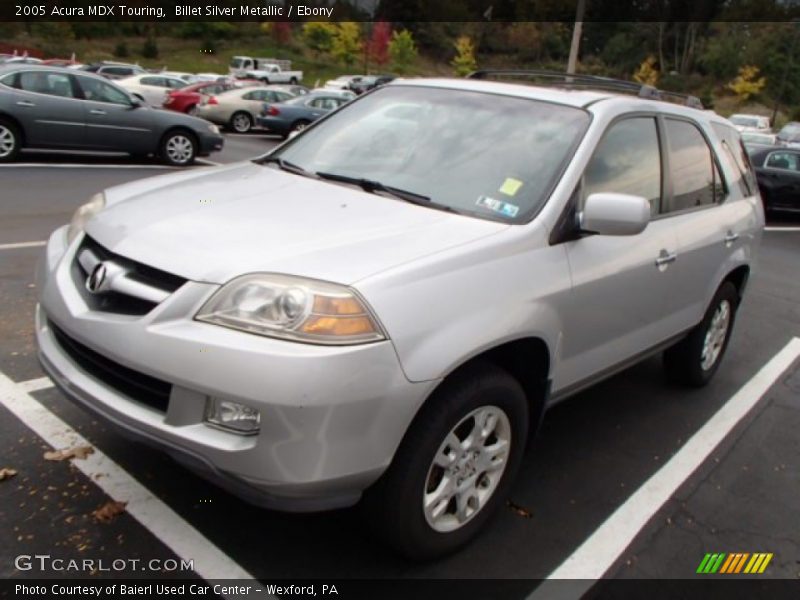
x: 268, y: 70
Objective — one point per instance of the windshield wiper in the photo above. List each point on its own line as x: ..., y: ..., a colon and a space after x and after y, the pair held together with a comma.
x: 372, y: 186
x: 285, y: 165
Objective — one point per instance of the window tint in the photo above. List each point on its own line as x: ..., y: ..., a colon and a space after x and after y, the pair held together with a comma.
x: 42, y: 82
x: 10, y: 80
x: 695, y: 179
x: 99, y: 91
x: 737, y: 156
x: 627, y: 161
x: 156, y: 81
x: 116, y: 71
x: 175, y: 84
x: 784, y: 160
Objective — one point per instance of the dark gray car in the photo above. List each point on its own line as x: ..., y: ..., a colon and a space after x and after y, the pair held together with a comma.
x: 49, y: 107
x: 297, y: 113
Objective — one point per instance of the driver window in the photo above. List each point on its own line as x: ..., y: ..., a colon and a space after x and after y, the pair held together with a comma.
x: 627, y: 161
x: 99, y: 91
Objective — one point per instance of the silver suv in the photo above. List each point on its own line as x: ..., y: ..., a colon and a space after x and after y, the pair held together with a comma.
x: 383, y: 307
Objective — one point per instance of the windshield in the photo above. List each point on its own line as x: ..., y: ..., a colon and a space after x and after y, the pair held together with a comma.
x: 486, y: 155
x: 237, y: 63
x: 744, y: 121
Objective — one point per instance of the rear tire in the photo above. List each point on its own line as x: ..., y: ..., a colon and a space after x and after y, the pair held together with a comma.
x: 694, y: 360
x: 178, y: 148
x: 441, y: 488
x: 241, y: 122
x: 299, y: 125
x: 10, y: 141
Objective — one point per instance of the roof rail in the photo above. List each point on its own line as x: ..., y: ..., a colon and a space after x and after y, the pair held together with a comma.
x: 575, y: 80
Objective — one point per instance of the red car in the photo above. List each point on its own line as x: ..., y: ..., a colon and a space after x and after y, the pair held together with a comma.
x: 187, y: 98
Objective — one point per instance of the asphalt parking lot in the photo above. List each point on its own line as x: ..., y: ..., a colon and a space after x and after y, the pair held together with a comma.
x: 624, y: 480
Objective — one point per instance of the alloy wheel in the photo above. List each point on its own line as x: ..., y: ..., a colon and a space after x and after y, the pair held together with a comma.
x: 7, y: 141
x: 180, y: 149
x: 716, y: 335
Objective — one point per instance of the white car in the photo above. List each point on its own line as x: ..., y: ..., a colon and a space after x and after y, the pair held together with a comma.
x: 750, y: 123
x: 151, y: 87
x: 341, y: 83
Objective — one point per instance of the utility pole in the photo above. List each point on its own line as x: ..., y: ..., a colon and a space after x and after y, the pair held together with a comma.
x: 576, y: 37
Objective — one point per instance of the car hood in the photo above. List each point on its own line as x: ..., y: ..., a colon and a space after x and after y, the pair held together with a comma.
x: 213, y: 225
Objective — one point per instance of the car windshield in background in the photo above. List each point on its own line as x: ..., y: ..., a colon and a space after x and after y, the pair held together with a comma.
x: 486, y: 155
x: 790, y: 132
x: 744, y: 121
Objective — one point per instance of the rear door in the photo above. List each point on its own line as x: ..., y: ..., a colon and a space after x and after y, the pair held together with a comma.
x: 713, y: 217
x: 782, y: 171
x: 622, y: 285
x: 113, y: 122
x: 49, y: 108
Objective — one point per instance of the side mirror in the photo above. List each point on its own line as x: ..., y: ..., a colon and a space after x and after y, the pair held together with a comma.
x: 614, y: 214
x: 136, y: 102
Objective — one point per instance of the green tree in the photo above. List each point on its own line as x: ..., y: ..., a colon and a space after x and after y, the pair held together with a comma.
x: 346, y: 44
x: 318, y: 35
x: 464, y: 62
x: 403, y: 50
x: 150, y: 48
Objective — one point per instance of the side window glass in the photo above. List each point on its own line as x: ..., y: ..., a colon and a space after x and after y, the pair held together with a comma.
x: 11, y: 80
x: 695, y: 178
x: 42, y: 82
x: 249, y: 96
x: 99, y: 91
x: 783, y: 160
x: 155, y: 81
x: 627, y: 161
x: 736, y: 156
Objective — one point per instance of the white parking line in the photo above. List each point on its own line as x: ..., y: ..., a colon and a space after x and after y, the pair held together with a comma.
x: 165, y: 524
x: 34, y: 385
x: 205, y: 161
x: 599, y: 552
x: 22, y: 245
x: 781, y: 228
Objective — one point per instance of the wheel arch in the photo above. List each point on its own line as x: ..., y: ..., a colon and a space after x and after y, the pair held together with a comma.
x: 175, y: 129
x: 739, y: 278
x: 15, y: 122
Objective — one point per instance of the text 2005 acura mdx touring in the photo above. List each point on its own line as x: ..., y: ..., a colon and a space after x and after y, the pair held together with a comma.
x: 382, y: 307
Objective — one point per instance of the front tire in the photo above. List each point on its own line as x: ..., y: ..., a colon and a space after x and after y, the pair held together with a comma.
x: 10, y: 141
x: 694, y: 360
x: 454, y: 467
x: 178, y: 148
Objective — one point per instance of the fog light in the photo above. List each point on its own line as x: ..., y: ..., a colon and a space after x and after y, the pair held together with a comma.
x: 232, y: 416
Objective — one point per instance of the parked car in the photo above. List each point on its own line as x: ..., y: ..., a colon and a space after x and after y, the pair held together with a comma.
x: 198, y: 77
x: 20, y: 60
x: 299, y: 112
x: 789, y: 135
x: 266, y: 70
x: 182, y: 75
x: 762, y: 139
x: 368, y: 82
x: 186, y: 99
x: 238, y: 109
x: 113, y: 70
x: 750, y: 123
x: 61, y: 62
x: 56, y: 108
x: 295, y: 90
x: 778, y: 172
x: 151, y: 88
x: 342, y: 83
x: 385, y: 308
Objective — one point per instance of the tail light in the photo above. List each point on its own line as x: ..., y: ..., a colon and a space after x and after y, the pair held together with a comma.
x: 213, y: 100
x: 273, y: 111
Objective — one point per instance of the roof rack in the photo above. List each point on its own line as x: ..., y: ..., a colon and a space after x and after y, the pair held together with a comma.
x: 573, y: 80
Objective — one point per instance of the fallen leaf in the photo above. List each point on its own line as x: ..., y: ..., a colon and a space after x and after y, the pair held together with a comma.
x: 110, y: 510
x: 519, y: 510
x: 7, y: 473
x: 76, y: 452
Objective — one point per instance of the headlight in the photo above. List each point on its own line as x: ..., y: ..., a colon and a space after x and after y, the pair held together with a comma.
x: 292, y: 308
x: 83, y: 214
x: 213, y: 128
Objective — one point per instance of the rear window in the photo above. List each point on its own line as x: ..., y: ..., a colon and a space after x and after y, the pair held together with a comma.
x: 736, y: 156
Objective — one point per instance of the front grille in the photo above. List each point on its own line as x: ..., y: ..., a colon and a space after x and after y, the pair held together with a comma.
x: 114, y: 301
x: 134, y: 385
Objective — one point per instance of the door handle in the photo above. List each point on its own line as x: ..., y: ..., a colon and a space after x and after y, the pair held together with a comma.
x: 25, y: 103
x: 664, y: 259
x: 730, y: 238
x: 97, y: 111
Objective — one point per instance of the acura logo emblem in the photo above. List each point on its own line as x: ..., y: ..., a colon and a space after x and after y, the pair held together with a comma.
x: 96, y: 279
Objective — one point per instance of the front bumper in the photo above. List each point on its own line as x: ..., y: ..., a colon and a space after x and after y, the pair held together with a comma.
x: 209, y: 142
x: 331, y: 417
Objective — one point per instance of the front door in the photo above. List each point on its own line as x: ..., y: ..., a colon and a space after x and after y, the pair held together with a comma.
x: 50, y: 110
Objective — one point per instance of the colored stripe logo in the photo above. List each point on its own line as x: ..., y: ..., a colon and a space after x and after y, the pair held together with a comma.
x: 734, y: 563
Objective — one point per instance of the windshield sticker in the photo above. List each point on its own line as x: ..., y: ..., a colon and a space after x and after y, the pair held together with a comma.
x: 499, y: 206
x: 510, y: 186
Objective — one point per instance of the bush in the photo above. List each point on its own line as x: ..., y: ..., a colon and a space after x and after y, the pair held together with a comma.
x: 121, y: 50
x: 150, y: 48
